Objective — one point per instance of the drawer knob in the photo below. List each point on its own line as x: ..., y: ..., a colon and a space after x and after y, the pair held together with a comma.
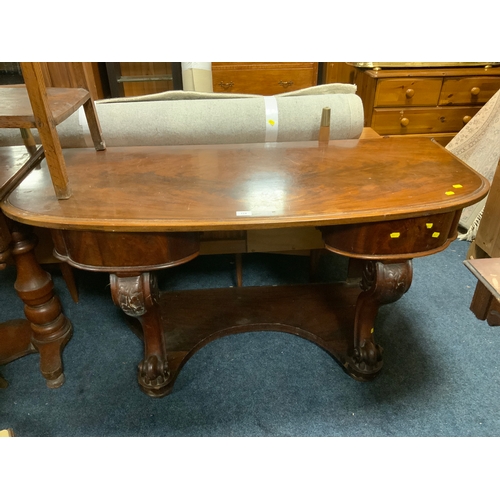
x: 285, y: 84
x: 404, y: 122
x: 475, y: 90
x: 226, y: 86
x: 466, y: 119
x: 410, y: 93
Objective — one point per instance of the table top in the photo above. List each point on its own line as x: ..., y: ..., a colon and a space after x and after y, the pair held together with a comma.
x: 16, y: 111
x: 487, y: 271
x: 225, y: 187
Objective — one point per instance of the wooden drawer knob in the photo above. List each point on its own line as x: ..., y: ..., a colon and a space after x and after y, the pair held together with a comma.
x: 404, y: 122
x: 475, y: 90
x: 410, y: 93
x: 466, y: 119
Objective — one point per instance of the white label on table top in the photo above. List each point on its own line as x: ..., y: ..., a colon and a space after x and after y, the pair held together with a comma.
x: 243, y: 213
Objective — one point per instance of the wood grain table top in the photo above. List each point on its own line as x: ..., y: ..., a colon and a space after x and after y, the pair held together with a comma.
x: 186, y: 188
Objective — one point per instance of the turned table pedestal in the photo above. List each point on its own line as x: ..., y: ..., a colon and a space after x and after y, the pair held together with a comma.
x: 45, y: 330
x: 136, y: 210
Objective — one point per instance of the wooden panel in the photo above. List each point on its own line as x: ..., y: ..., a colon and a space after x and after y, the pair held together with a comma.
x: 220, y: 242
x: 408, y: 92
x: 474, y: 90
x: 145, y: 88
x: 366, y: 87
x: 100, y: 94
x: 218, y: 247
x: 263, y: 78
x: 146, y: 70
x: 338, y: 72
x: 62, y: 74
x: 421, y: 120
x: 285, y: 239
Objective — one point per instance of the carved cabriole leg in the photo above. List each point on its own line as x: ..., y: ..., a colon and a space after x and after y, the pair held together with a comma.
x: 138, y: 296
x: 382, y: 283
x: 51, y: 329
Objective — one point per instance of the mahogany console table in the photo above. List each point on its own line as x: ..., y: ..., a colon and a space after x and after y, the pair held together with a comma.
x: 139, y: 209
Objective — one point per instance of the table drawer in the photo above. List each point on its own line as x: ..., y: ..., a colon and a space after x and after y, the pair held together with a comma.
x: 421, y: 120
x: 471, y: 90
x: 263, y: 79
x: 398, y: 92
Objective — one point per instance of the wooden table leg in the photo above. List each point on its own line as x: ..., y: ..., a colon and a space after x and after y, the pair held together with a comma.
x: 51, y: 329
x: 382, y: 283
x: 138, y: 296
x: 336, y: 317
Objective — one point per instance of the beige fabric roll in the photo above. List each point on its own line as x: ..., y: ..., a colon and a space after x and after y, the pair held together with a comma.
x: 190, y: 118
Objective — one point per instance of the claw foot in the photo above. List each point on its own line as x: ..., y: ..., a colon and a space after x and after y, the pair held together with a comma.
x: 366, y: 360
x: 153, y: 373
x: 368, y: 356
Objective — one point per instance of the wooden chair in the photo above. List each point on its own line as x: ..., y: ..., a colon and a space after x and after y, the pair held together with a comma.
x: 33, y: 105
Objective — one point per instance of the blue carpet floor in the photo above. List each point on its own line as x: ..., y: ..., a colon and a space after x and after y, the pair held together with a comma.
x: 440, y: 377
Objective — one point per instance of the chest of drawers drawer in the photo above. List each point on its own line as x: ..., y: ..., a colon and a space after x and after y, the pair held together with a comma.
x: 263, y: 78
x: 422, y: 120
x: 472, y: 90
x: 393, y: 92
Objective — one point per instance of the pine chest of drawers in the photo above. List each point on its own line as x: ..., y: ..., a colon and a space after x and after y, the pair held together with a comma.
x: 436, y: 101
x: 263, y: 78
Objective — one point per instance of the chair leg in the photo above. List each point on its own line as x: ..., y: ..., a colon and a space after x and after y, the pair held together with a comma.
x: 94, y: 125
x: 37, y: 92
x: 89, y: 107
x: 28, y: 139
